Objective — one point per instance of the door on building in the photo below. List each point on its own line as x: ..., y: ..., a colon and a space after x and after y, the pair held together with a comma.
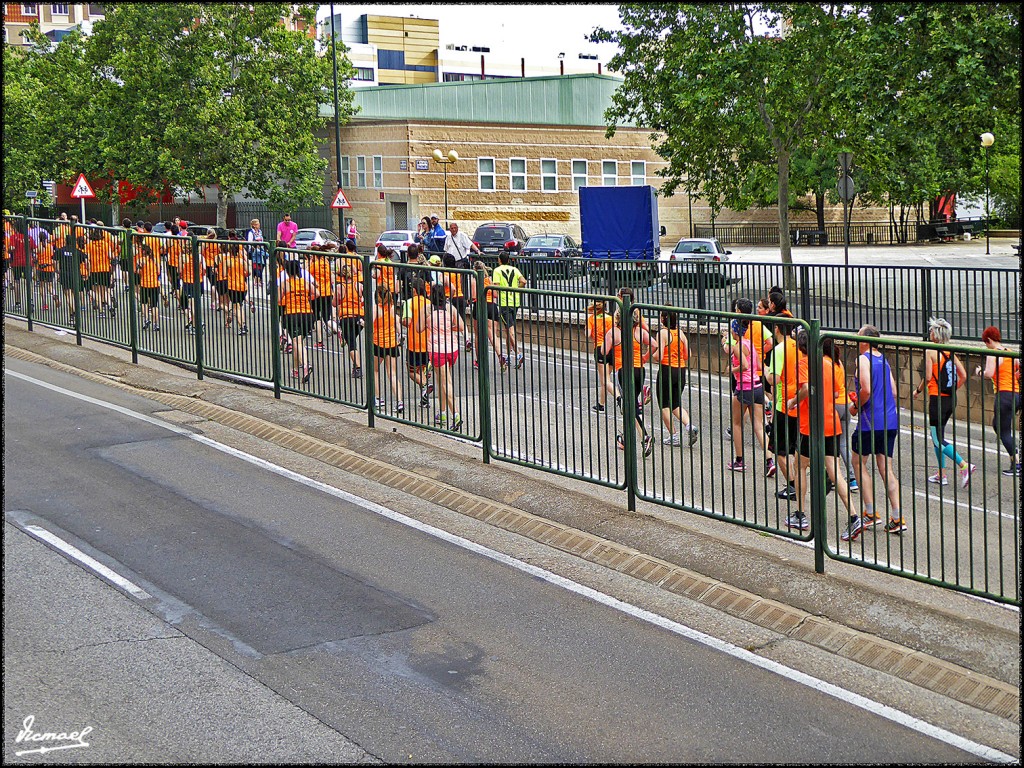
x: 398, y: 216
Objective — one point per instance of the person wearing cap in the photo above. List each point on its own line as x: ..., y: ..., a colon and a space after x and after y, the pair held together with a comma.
x: 437, y: 234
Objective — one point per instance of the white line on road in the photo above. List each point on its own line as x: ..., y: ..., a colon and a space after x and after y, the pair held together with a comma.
x: 842, y: 694
x: 79, y: 556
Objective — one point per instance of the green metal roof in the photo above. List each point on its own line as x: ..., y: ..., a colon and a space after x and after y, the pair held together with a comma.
x: 556, y: 100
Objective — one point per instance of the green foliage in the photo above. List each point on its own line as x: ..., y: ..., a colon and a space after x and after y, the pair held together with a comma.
x: 742, y: 93
x: 191, y: 95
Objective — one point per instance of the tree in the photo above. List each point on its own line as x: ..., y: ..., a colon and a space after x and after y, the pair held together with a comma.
x: 740, y: 90
x: 730, y: 87
x: 220, y: 94
x: 45, y: 111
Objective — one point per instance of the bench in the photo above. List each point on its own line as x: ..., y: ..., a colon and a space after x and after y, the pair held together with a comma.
x: 819, y: 235
x: 967, y: 231
x: 942, y: 233
x: 1016, y: 247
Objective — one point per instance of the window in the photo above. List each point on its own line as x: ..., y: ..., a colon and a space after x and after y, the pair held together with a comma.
x: 29, y: 9
x: 638, y: 173
x: 548, y: 175
x: 517, y: 174
x: 59, y: 9
x: 364, y: 74
x: 378, y: 171
x: 96, y: 9
x: 579, y: 174
x: 485, y: 174
x: 345, y: 175
x: 360, y: 171
x: 609, y: 173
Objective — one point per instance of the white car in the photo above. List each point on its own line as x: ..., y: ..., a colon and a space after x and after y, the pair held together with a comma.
x: 397, y: 240
x: 314, y: 236
x: 679, y: 266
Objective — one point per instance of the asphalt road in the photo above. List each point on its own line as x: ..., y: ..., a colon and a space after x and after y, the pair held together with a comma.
x: 336, y: 620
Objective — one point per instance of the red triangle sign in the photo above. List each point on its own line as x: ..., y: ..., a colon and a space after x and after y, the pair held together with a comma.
x: 82, y: 188
x: 340, y: 201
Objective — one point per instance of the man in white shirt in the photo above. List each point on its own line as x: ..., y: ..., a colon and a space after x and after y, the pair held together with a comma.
x: 457, y: 248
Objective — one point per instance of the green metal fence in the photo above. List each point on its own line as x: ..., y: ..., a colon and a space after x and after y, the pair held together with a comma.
x: 560, y: 407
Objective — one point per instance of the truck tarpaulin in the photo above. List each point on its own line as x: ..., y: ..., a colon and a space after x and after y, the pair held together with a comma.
x: 619, y: 222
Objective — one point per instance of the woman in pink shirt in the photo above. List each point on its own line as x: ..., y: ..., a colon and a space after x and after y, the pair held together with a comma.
x: 443, y: 326
x: 749, y: 393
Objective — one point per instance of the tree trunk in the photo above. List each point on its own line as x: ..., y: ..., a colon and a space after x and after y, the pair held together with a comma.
x: 785, y: 246
x: 222, y: 207
x: 819, y: 208
x: 115, y: 206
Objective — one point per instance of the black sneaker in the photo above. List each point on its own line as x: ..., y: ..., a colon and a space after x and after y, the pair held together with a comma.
x: 789, y: 492
x: 600, y: 409
x: 1012, y: 471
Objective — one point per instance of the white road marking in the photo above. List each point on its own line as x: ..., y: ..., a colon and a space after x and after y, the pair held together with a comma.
x: 842, y: 694
x: 93, y: 565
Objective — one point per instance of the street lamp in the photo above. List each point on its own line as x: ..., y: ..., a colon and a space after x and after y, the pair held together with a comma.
x: 452, y: 157
x: 987, y: 140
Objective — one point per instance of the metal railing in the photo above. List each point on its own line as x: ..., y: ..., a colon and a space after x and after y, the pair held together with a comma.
x: 861, y: 232
x: 895, y: 299
x: 543, y: 413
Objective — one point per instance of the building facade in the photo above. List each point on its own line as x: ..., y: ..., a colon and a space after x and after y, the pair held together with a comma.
x: 54, y: 19
x: 525, y: 147
x: 395, y: 50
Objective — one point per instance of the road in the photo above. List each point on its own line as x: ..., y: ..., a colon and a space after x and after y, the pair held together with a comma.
x: 354, y: 628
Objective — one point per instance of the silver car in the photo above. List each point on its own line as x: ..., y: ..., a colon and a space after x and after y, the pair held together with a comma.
x: 680, y: 265
x: 314, y: 236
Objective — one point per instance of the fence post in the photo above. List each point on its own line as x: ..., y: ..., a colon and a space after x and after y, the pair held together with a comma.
x: 79, y: 281
x: 270, y: 280
x: 531, y: 281
x: 628, y: 402
x: 483, y: 356
x: 805, y: 292
x: 29, y: 304
x: 926, y: 300
x: 369, y: 300
x: 197, y: 302
x: 819, y: 527
x: 702, y: 287
x: 133, y: 314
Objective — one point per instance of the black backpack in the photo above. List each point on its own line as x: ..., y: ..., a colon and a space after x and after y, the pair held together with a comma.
x: 947, y: 375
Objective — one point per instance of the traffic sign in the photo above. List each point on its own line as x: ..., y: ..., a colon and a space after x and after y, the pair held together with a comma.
x: 82, y: 189
x: 846, y: 188
x: 340, y: 201
x: 31, y: 194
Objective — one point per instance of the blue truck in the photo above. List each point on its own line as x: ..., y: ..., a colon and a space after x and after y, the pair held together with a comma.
x: 620, y: 234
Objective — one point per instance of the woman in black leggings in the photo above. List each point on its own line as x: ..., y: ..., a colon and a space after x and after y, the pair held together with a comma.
x: 1004, y: 372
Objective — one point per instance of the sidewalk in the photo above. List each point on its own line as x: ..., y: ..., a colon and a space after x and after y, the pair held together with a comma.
x: 941, y: 641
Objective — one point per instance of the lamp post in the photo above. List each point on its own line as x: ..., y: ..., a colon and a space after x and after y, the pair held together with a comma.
x: 987, y: 140
x: 452, y: 157
x: 337, y: 124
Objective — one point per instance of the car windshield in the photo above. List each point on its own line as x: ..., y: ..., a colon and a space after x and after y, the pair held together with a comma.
x: 389, y: 236
x: 305, y: 235
x: 694, y: 248
x: 492, y: 234
x: 544, y: 241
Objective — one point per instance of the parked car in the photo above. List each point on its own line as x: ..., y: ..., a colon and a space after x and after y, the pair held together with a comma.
x: 564, y: 251
x: 680, y: 265
x: 496, y: 237
x: 397, y: 240
x: 314, y: 236
x: 199, y: 230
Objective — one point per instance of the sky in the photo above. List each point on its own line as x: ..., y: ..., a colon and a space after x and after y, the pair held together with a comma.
x: 531, y: 29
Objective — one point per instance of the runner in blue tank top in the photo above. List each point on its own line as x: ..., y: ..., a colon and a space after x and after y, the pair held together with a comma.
x: 877, y: 429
